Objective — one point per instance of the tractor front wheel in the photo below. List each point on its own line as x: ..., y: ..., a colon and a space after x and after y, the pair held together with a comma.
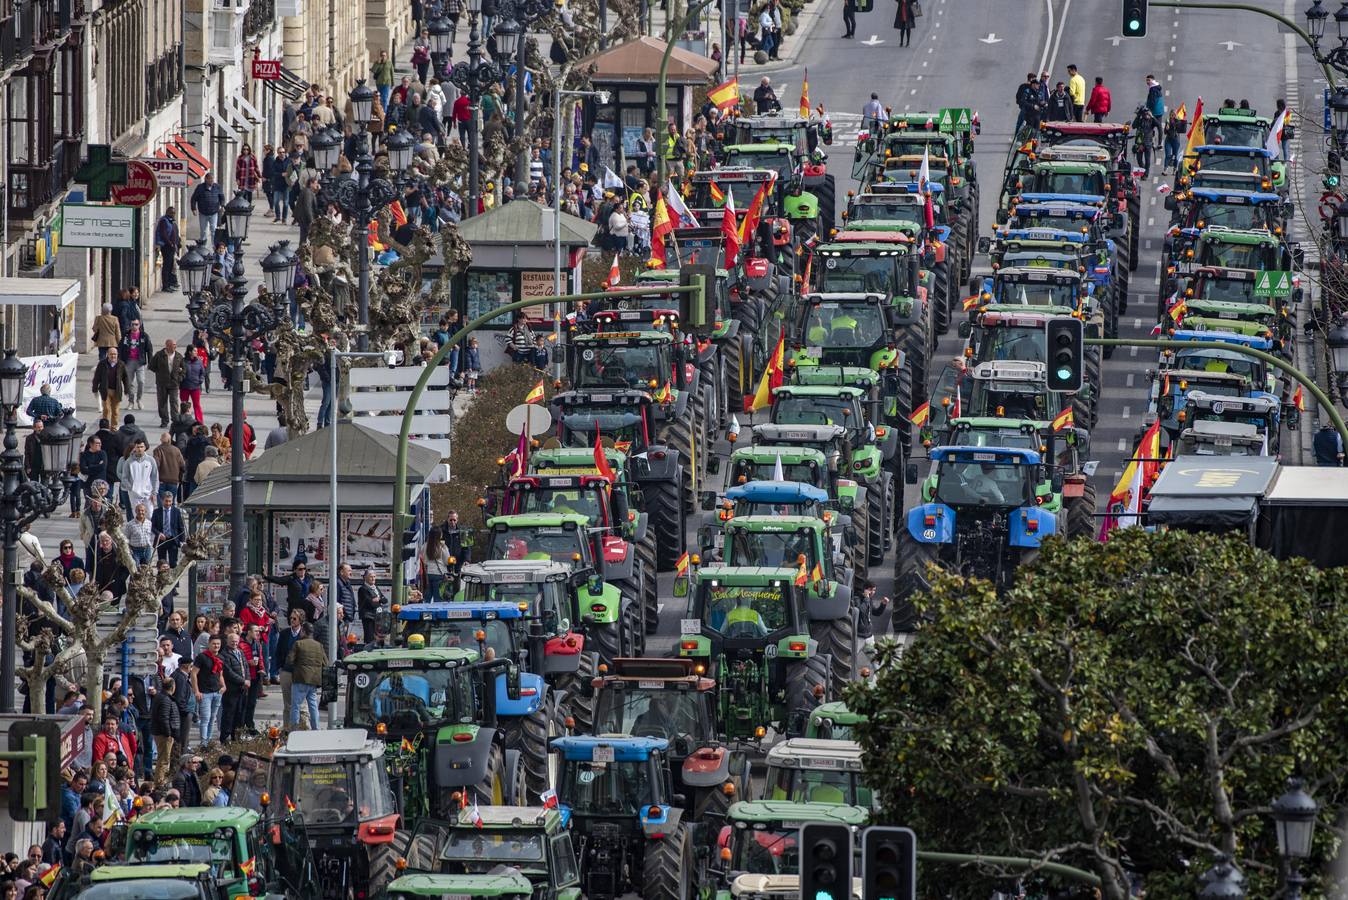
x: 383, y: 865
x: 578, y: 702
x: 667, y: 873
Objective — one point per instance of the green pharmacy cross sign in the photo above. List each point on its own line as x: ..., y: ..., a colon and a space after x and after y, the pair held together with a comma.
x: 1273, y: 284
x: 955, y: 119
x: 99, y: 172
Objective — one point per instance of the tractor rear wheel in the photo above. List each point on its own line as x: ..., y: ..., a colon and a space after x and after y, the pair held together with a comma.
x: 634, y: 633
x: 667, y: 873
x: 857, y: 552
x: 383, y: 865
x: 609, y: 640
x: 578, y: 702
x: 516, y: 779
x: 808, y: 683
x: 1081, y: 512
x: 837, y: 639
x: 529, y: 738
x: 940, y: 297
x: 650, y: 597
x: 492, y: 789
x: 910, y: 577
x: 731, y: 353
x: 665, y: 509
x: 875, y: 524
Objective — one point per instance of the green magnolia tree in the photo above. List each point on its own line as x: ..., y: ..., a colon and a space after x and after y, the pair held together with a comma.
x: 1127, y: 707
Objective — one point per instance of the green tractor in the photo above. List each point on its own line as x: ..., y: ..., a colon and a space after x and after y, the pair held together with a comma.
x: 752, y: 628
x: 833, y: 721
x: 617, y: 797
x: 811, y: 770
x: 806, y: 136
x: 626, y: 420
x: 173, y: 881
x: 496, y: 851
x: 609, y: 614
x: 759, y: 851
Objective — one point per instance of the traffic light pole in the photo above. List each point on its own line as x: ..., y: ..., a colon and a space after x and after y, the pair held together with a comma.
x: 400, y: 514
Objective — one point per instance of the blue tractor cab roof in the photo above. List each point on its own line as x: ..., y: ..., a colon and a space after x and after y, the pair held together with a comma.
x: 1058, y: 205
x: 1090, y: 199
x: 420, y: 612
x: 1218, y: 195
x: 908, y: 187
x: 784, y: 492
x: 1031, y: 233
x: 1224, y: 337
x: 625, y: 749
x: 1227, y: 148
x: 965, y: 453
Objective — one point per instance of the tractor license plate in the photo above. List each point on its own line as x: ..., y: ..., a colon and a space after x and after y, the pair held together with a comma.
x: 602, y: 754
x: 400, y: 663
x: 690, y: 626
x: 449, y: 614
x: 1222, y: 441
x: 322, y: 760
x: 650, y: 685
x: 1227, y: 315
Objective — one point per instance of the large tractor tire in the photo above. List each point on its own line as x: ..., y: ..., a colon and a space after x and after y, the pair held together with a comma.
x: 857, y: 553
x: 577, y: 700
x: 516, y: 780
x: 383, y: 864
x: 610, y: 641
x: 492, y: 790
x: 1080, y: 513
x: 809, y: 683
x: 667, y: 873
x: 1134, y: 220
x: 650, y: 597
x: 732, y: 352
x: 940, y: 296
x: 826, y: 191
x: 838, y: 639
x: 910, y: 578
x: 634, y: 634
x: 680, y: 438
x: 528, y: 737
x: 875, y: 524
x: 665, y: 509
x: 646, y: 552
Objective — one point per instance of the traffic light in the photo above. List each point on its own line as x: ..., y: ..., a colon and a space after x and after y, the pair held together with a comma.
x: 411, y: 543
x: 693, y: 308
x: 1134, y: 18
x: 35, y: 783
x: 825, y: 861
x: 1065, y: 338
x: 888, y: 863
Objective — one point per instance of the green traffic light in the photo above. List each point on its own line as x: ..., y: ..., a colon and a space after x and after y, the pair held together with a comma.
x: 822, y: 895
x: 1134, y: 24
x: 1064, y: 373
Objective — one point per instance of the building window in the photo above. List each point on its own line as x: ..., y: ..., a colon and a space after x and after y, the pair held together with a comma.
x: 69, y: 102
x: 21, y: 126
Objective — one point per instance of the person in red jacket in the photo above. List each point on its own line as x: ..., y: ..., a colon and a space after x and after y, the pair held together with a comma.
x: 463, y: 111
x: 1099, y: 103
x: 247, y: 175
x: 111, y: 738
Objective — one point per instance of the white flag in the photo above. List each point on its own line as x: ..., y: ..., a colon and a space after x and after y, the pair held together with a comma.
x: 611, y: 180
x: 734, y: 426
x: 1273, y: 143
x: 777, y: 474
x: 679, y: 208
x: 924, y: 173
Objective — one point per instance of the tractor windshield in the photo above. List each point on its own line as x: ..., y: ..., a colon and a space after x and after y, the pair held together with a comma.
x: 816, y: 410
x: 1227, y: 290
x: 774, y: 549
x: 626, y: 366
x: 1233, y: 163
x: 1211, y: 359
x: 407, y: 700
x: 587, y: 501
x: 1034, y: 259
x: 1229, y: 255
x: 1047, y: 220
x: 182, y: 849
x: 472, y: 851
x: 863, y: 275
x: 618, y: 788
x: 992, y: 483
x: 1243, y: 133
x: 624, y: 427
x: 744, y: 611
x: 143, y: 889
x: 1232, y: 215
x: 997, y: 437
x: 875, y: 211
x: 706, y: 197
x: 542, y: 597
x: 780, y: 161
x: 1035, y: 293
x: 660, y: 712
x: 844, y: 325
x: 1007, y: 399
x: 463, y: 633
x: 765, y: 851
x: 902, y: 145
x: 817, y: 786
x: 1051, y: 181
x: 334, y: 793
x: 1010, y: 343
x: 806, y: 472
x: 542, y: 542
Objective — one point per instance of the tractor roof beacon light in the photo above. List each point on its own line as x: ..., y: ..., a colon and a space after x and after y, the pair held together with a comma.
x: 888, y: 863
x: 825, y: 861
x: 1065, y: 342
x: 1134, y: 18
x: 1294, y: 815
x: 1315, y: 20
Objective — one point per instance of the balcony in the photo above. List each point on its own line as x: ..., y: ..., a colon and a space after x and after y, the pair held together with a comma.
x: 163, y: 81
x: 260, y: 18
x: 32, y: 187
x: 18, y: 37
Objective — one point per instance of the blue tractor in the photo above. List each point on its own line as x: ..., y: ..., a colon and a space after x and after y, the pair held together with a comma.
x: 984, y: 519
x: 616, y: 795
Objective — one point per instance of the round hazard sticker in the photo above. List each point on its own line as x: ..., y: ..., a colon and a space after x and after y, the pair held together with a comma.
x: 362, y: 680
x: 929, y: 533
x: 585, y: 776
x: 830, y: 263
x: 770, y: 651
x: 587, y: 355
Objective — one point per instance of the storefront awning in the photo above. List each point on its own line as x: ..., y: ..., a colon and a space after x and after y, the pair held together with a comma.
x: 181, y: 148
x: 58, y: 292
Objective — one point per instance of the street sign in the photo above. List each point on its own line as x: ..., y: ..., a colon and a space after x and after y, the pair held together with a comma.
x: 266, y: 69
x: 955, y: 119
x: 99, y: 172
x: 140, y: 188
x: 170, y: 172
x: 1273, y: 284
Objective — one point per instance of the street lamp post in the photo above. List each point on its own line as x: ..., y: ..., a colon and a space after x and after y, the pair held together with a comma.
x: 1294, y: 818
x: 474, y: 77
x: 236, y: 321
x: 24, y: 500
x: 1223, y: 881
x: 557, y: 95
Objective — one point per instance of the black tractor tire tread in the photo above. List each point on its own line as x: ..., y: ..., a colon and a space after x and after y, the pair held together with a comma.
x: 383, y: 865
x: 533, y: 748
x: 485, y: 791
x: 826, y: 191
x: 579, y: 700
x: 667, y: 871
x: 910, y: 571
x: 801, y: 680
x: 838, y: 639
x: 875, y: 524
x: 666, y: 518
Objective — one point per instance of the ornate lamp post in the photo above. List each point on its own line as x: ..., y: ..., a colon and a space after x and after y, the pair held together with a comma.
x: 1294, y: 818
x: 25, y: 500
x: 474, y: 77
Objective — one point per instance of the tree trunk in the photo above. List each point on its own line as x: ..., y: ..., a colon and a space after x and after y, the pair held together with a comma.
x: 93, y: 679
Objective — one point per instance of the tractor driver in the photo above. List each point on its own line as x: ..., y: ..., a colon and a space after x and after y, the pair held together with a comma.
x: 666, y: 717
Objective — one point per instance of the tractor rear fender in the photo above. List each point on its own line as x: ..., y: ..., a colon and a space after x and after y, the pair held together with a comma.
x: 836, y: 605
x: 1028, y: 527
x: 461, y: 763
x: 664, y: 824
x: 707, y: 767
x: 532, y: 691
x: 662, y: 464
x: 932, y: 523
x: 602, y: 608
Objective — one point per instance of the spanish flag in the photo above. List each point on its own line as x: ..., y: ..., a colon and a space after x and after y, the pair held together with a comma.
x: 1299, y: 400
x: 660, y: 226
x: 772, y: 378
x: 717, y: 195
x: 248, y: 866
x: 49, y: 877
x: 817, y: 573
x: 664, y: 395
x: 805, y: 95
x: 681, y: 565
x: 290, y: 806
x: 1064, y: 419
x: 755, y: 212
x: 726, y: 94
x: 1197, y: 134
x: 535, y: 393
x: 396, y: 210
x: 601, y: 459
x: 921, y: 414
x: 801, y: 578
x: 1177, y: 312
x: 374, y: 236
x: 970, y: 302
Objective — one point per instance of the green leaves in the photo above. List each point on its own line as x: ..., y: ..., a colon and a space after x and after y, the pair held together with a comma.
x: 1140, y: 698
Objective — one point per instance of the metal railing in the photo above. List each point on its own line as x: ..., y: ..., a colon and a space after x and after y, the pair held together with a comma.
x: 261, y: 16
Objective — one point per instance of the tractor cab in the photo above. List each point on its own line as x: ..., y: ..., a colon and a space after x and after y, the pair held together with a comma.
x: 1014, y: 390
x: 1260, y: 413
x: 1224, y: 166
x: 151, y: 882
x: 763, y: 837
x: 710, y: 188
x: 804, y: 134
x: 802, y: 465
x: 847, y: 330
x: 1063, y: 289
x: 779, y: 158
x: 1227, y: 248
x: 1204, y: 352
x: 810, y: 770
x: 624, y: 416
x: 1055, y: 216
x: 884, y: 264
x: 1208, y: 438
x: 1237, y: 127
x: 1243, y: 210
x: 631, y: 360
x: 1049, y: 177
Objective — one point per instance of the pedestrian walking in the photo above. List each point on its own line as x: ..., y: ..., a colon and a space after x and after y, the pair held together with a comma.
x: 306, y: 659
x: 111, y: 383
x: 285, y: 639
x: 165, y: 723
x: 247, y: 172
x: 1155, y: 98
x: 166, y: 242
x: 165, y: 367
x: 873, y: 114
x: 207, y: 201
x: 905, y: 13
x: 172, y: 466
x: 107, y: 331
x: 139, y: 476
x: 306, y: 208
x: 236, y: 686
x: 1027, y: 100
x: 140, y: 536
x: 1175, y: 131
x: 1076, y: 89
x: 369, y: 600
x: 1328, y: 446
x: 207, y: 683
x: 849, y: 18
x: 382, y: 71
x: 135, y: 351
x: 421, y: 55
x: 191, y: 377
x: 1100, y: 102
x: 254, y: 660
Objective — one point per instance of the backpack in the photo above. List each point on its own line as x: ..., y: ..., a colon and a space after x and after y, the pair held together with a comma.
x: 1155, y: 101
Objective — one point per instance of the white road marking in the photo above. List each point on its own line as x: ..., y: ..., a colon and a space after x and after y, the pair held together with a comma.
x: 873, y: 41
x: 1128, y: 382
x: 1137, y: 323
x: 990, y: 39
x: 1132, y: 351
x: 1123, y: 445
x: 1126, y: 412
x: 1151, y: 220
x: 1057, y: 42
x: 1048, y: 38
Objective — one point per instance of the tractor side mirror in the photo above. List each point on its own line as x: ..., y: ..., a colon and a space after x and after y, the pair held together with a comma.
x: 839, y: 561
x: 708, y: 500
x: 1055, y: 480
x: 1171, y: 204
x: 713, y: 465
x: 512, y: 677
x: 984, y: 244
x: 910, y: 473
x: 966, y: 328
x: 706, y: 537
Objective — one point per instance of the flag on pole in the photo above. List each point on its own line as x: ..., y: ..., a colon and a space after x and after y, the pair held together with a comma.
x: 921, y: 414
x: 600, y: 459
x: 535, y: 393
x: 923, y: 179
x: 1125, y: 501
x: 681, y: 564
x: 717, y: 195
x: 1183, y: 112
x: 1273, y: 143
x: 726, y: 94
x: 1197, y: 134
x: 395, y: 209
x: 730, y: 231
x: 549, y: 798
x: 521, y: 461
x: 611, y: 179
x: 772, y: 378
x: 777, y: 473
x: 805, y: 95
x: 290, y: 805
x: 802, y: 578
x: 475, y: 814
x: 817, y: 573
x: 660, y: 227
x: 1064, y: 419
x: 49, y: 877
x: 1299, y: 400
x: 615, y: 274
x: 750, y: 223
x: 680, y: 209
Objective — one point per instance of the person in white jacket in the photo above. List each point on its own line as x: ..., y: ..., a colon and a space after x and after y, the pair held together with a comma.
x: 139, y: 475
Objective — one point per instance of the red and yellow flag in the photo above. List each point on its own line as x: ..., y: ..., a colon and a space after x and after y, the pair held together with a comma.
x: 1197, y: 134
x: 921, y: 414
x: 772, y: 378
x: 290, y: 806
x: 970, y: 302
x: 407, y: 746
x: 802, y: 578
x: 817, y: 573
x: 660, y: 227
x: 535, y: 393
x: 755, y: 212
x: 805, y: 95
x: 248, y: 866
x: 49, y: 877
x: 396, y: 211
x: 1299, y: 400
x: 1064, y: 419
x: 681, y: 565
x: 726, y: 94
x: 600, y: 459
x: 717, y: 195
x: 664, y: 395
